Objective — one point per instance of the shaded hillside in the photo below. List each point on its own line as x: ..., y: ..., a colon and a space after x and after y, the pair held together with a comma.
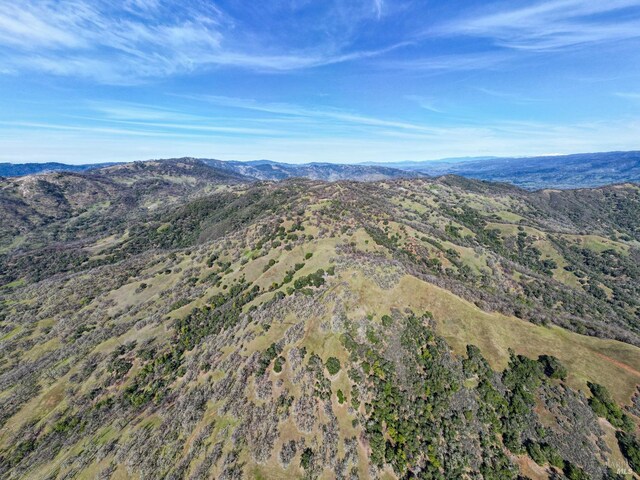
x: 414, y: 328
x: 63, y: 206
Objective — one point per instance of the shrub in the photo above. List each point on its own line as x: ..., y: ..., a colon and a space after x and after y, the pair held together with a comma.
x: 267, y: 356
x: 306, y: 458
x: 277, y: 365
x: 603, y: 405
x: 574, y: 473
x: 333, y: 365
x: 387, y: 321
x: 552, y: 367
x: 630, y: 448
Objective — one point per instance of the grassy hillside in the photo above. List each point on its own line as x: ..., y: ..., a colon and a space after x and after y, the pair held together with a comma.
x: 410, y: 328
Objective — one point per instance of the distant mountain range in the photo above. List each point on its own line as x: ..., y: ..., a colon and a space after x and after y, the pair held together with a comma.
x: 250, y: 170
x: 556, y: 171
x: 268, y: 170
x: 533, y: 173
x: 20, y: 169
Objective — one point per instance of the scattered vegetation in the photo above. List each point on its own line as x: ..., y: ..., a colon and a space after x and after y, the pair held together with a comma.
x: 163, y: 321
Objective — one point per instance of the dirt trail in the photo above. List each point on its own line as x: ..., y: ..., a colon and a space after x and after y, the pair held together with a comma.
x: 619, y: 364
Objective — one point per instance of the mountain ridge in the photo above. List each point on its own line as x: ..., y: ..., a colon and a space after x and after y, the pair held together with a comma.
x: 533, y: 172
x: 256, y: 169
x: 174, y: 320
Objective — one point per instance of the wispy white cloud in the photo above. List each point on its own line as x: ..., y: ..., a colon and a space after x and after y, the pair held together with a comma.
x: 549, y: 25
x: 35, y: 126
x: 458, y: 62
x: 425, y: 103
x: 246, y: 131
x: 26, y: 143
x: 335, y: 115
x: 146, y: 129
x: 126, y: 42
x: 629, y: 95
x: 140, y: 111
x: 378, y: 6
x: 150, y: 119
x: 511, y: 96
x: 29, y: 26
x: 103, y: 41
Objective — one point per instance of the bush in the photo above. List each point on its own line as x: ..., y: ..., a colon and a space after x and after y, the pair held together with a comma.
x: 277, y: 365
x: 544, y: 453
x: 552, y: 367
x: 267, y: 356
x: 387, y: 321
x: 536, y: 453
x: 312, y: 280
x: 333, y: 365
x: 574, y: 473
x: 306, y: 458
x: 630, y: 448
x: 603, y: 406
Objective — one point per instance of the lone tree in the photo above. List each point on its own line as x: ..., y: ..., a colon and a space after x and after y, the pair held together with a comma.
x: 333, y: 365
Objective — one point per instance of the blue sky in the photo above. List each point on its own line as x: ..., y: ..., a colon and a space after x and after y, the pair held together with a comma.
x: 85, y: 81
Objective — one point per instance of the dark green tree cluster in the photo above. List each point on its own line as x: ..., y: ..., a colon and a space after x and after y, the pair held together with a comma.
x: 552, y: 367
x: 630, y: 448
x: 267, y: 357
x: 409, y: 420
x: 333, y: 365
x: 223, y: 310
x: 278, y: 364
x: 315, y: 279
x: 321, y: 384
x: 604, y: 406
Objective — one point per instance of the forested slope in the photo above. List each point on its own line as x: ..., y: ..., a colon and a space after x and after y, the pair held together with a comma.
x: 223, y: 328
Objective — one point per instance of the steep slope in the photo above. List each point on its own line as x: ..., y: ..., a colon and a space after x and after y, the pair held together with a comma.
x: 40, y: 209
x: 348, y: 330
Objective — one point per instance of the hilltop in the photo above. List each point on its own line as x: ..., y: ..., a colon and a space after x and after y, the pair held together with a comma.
x: 178, y: 320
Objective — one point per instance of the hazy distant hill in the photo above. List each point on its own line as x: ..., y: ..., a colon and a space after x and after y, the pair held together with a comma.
x: 562, y: 171
x: 268, y: 170
x: 19, y: 169
x: 257, y: 170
